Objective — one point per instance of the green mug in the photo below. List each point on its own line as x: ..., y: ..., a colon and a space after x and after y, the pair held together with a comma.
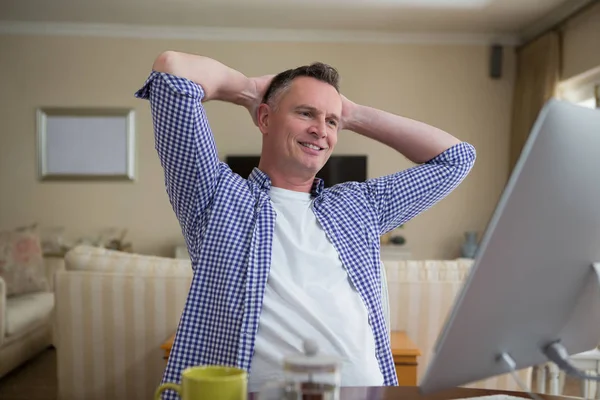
x: 211, y: 382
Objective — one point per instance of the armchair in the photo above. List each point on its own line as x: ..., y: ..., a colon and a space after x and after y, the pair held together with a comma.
x: 26, y: 321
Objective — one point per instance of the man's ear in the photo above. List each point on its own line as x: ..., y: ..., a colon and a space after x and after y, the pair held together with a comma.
x: 263, y: 114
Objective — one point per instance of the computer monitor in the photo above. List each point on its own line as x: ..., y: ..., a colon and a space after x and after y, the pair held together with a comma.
x: 532, y: 282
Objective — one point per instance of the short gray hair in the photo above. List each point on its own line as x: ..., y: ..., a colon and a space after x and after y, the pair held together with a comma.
x: 282, y: 81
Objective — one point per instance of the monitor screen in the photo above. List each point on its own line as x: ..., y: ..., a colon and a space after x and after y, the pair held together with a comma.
x: 338, y: 169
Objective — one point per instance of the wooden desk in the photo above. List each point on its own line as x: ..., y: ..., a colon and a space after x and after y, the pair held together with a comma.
x: 404, y: 351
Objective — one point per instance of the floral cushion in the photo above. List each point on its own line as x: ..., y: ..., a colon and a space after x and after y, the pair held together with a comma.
x: 22, y: 261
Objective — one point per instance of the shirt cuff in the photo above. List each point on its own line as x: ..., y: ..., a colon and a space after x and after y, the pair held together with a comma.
x: 461, y: 153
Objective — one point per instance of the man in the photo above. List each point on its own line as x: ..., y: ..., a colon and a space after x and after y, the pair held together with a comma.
x: 277, y: 258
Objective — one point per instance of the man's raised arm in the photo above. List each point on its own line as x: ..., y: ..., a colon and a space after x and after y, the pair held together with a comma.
x: 176, y: 88
x: 416, y: 140
x: 218, y: 81
x: 444, y: 162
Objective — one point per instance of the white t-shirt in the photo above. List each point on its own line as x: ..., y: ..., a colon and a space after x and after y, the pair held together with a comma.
x: 309, y: 295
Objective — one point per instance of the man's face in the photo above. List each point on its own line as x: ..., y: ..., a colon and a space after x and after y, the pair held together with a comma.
x: 300, y: 133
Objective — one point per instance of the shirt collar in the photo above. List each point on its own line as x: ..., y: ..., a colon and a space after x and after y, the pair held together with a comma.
x: 263, y: 181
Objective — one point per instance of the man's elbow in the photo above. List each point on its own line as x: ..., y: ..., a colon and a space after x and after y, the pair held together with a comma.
x: 167, y: 62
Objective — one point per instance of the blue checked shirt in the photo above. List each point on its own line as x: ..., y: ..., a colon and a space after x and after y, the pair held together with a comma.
x: 228, y: 225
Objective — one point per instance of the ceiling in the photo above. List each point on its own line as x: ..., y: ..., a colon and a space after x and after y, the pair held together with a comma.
x: 514, y: 17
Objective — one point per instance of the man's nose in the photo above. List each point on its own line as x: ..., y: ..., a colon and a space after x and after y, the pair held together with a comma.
x: 319, y: 129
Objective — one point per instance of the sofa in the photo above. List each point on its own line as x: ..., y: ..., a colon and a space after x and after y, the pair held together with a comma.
x: 26, y: 320
x: 113, y: 312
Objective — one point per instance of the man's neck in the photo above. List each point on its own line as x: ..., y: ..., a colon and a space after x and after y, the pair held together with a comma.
x: 288, y: 181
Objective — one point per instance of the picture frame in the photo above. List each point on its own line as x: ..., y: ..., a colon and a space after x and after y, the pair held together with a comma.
x: 86, y: 143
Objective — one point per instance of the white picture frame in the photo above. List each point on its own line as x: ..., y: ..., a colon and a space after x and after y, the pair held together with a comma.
x: 86, y: 143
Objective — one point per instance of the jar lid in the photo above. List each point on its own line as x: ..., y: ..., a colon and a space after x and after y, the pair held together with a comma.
x: 311, y: 361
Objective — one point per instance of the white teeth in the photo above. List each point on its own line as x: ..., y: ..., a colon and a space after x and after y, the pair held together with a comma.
x: 310, y: 146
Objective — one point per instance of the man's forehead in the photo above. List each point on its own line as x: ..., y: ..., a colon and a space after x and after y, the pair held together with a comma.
x: 319, y: 96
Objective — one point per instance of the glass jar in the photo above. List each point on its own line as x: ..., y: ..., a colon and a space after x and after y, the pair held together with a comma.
x: 308, y: 376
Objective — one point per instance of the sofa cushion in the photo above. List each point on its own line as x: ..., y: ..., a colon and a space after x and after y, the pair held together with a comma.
x: 22, y: 262
x: 27, y: 310
x: 88, y: 258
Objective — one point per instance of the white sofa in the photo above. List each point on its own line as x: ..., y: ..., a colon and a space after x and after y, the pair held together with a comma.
x: 26, y: 321
x: 113, y: 311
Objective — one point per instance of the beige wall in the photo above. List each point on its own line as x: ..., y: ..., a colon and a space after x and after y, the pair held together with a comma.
x: 581, y: 38
x: 447, y: 86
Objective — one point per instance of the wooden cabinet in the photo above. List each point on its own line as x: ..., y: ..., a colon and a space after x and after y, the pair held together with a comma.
x: 405, y: 353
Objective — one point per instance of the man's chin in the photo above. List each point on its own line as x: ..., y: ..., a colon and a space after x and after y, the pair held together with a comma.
x: 310, y: 170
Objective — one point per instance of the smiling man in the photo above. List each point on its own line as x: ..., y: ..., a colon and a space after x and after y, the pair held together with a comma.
x: 278, y: 258
x: 299, y: 118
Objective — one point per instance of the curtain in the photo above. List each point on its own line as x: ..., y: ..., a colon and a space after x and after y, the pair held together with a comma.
x: 538, y: 74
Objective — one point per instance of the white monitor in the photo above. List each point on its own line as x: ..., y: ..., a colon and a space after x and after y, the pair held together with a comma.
x: 533, y: 281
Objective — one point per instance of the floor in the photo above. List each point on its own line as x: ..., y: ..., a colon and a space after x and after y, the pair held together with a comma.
x: 36, y: 380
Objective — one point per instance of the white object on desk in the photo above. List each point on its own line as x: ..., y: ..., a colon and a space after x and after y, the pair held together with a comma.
x: 495, y: 397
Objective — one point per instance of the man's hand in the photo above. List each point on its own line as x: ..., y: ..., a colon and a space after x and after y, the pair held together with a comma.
x: 257, y: 88
x: 348, y: 109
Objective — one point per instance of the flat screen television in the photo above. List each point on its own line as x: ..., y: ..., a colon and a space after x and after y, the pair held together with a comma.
x: 338, y: 169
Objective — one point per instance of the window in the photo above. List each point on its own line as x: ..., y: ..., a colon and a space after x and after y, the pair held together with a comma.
x: 589, y: 103
x: 583, y: 90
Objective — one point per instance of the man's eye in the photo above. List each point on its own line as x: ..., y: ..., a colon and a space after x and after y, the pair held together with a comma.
x: 305, y: 113
x: 333, y: 122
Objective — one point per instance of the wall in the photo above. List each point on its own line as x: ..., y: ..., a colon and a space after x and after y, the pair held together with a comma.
x: 581, y: 35
x: 444, y: 85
